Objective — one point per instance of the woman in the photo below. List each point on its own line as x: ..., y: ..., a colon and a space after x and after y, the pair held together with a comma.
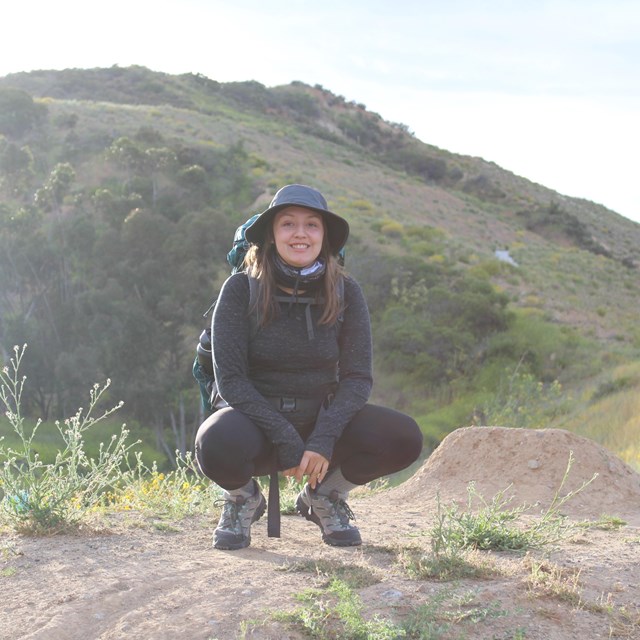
x: 295, y: 370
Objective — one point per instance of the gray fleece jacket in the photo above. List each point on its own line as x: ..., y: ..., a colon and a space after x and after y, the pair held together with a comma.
x: 281, y: 360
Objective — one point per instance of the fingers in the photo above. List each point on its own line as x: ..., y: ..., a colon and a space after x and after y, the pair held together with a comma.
x: 313, y: 465
x: 319, y: 474
x: 316, y: 478
x: 323, y: 471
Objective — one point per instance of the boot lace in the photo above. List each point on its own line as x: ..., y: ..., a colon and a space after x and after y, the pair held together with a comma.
x: 231, y: 516
x: 343, y: 512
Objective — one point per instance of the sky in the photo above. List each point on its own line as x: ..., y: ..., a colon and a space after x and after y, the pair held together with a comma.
x: 547, y: 89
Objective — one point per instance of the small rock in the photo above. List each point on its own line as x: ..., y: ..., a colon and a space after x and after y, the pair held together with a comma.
x: 533, y: 464
x: 393, y: 594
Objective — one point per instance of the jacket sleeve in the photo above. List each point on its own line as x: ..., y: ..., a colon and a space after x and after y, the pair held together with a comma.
x: 230, y: 329
x: 355, y: 377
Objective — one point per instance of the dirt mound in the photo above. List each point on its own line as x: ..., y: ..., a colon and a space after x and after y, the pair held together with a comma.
x: 529, y: 465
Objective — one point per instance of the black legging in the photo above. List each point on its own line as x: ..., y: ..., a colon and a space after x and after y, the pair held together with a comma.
x: 230, y: 449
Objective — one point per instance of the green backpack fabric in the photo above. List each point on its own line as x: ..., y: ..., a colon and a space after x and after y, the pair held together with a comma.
x: 203, y: 363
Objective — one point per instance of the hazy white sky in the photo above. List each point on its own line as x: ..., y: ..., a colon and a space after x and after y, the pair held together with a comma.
x: 548, y: 89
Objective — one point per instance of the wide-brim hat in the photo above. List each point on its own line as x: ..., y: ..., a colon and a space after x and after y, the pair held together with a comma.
x: 299, y: 195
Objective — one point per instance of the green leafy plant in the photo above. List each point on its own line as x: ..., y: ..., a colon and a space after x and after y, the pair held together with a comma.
x: 436, y: 617
x: 40, y: 497
x: 496, y: 526
x: 450, y: 563
x: 289, y: 490
x: 491, y: 528
x: 605, y: 522
x: 354, y: 576
x: 336, y: 612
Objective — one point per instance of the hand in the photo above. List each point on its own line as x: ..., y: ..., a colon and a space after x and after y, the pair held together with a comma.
x: 313, y: 465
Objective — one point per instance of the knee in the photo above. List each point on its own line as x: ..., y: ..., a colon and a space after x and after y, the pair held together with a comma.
x: 226, y: 447
x: 409, y: 440
x: 205, y: 452
x: 213, y: 448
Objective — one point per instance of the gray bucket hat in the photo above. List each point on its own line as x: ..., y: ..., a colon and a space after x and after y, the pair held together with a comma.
x: 301, y: 196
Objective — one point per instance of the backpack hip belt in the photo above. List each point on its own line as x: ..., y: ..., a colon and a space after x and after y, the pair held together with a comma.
x: 287, y: 404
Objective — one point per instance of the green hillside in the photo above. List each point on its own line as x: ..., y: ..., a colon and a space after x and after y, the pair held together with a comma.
x: 120, y: 190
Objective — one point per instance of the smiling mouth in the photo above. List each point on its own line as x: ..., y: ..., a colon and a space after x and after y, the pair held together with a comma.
x: 299, y: 246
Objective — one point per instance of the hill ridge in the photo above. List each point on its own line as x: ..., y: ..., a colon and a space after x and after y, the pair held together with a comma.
x: 159, y: 188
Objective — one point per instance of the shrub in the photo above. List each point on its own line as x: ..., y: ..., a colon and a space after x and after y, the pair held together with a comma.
x: 175, y: 494
x: 613, y: 386
x: 43, y: 497
x: 392, y: 229
x: 496, y: 526
x: 521, y: 401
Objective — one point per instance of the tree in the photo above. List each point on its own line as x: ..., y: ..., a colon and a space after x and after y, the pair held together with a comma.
x: 157, y: 161
x: 18, y: 112
x: 56, y: 187
x: 432, y: 330
x: 128, y: 155
x: 16, y: 167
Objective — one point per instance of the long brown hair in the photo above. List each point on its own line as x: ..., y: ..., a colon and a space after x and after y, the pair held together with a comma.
x: 258, y: 264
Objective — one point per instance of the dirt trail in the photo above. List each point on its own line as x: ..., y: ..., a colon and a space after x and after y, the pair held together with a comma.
x: 144, y: 583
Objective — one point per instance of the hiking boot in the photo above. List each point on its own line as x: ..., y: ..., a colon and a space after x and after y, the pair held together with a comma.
x: 238, y: 514
x: 332, y: 514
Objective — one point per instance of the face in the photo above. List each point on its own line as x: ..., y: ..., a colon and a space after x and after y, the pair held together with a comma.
x: 298, y: 234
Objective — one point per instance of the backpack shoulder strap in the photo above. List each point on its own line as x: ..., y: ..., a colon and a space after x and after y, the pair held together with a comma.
x: 254, y: 311
x: 254, y: 290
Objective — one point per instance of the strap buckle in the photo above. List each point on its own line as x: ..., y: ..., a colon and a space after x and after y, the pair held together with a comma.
x: 287, y: 404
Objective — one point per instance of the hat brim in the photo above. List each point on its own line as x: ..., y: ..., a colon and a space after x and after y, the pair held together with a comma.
x: 337, y: 227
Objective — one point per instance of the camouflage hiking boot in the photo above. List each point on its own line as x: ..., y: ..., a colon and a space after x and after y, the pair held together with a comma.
x: 332, y: 514
x: 238, y: 514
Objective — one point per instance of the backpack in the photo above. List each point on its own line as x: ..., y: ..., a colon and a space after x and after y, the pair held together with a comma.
x: 203, y: 363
